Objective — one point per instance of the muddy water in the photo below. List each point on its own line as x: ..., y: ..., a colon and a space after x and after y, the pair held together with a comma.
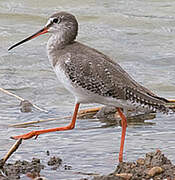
x: 137, y: 34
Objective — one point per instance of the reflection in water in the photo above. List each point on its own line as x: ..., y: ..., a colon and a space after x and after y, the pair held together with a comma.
x: 137, y: 34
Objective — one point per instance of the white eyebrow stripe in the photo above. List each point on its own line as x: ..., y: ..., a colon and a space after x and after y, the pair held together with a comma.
x: 49, y: 21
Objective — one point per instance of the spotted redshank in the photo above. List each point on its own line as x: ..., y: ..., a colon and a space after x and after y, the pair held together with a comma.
x: 91, y: 76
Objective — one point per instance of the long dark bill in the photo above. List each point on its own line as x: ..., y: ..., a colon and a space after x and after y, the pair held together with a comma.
x: 42, y: 31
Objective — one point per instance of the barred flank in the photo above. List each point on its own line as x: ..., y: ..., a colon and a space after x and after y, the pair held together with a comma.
x: 146, y: 100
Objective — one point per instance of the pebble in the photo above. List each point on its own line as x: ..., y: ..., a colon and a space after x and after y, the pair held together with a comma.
x: 154, y: 171
x: 26, y: 106
x: 125, y: 176
x: 48, y: 153
x: 54, y: 161
x: 140, y: 161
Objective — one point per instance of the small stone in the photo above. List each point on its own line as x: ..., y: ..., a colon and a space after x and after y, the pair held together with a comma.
x: 48, y: 153
x: 35, y: 161
x: 35, y: 176
x: 125, y: 176
x: 154, y: 171
x: 54, y: 161
x: 26, y: 106
x: 67, y: 167
x: 140, y: 161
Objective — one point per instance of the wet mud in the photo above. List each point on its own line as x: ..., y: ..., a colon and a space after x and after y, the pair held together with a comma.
x: 31, y: 169
x: 15, y: 170
x: 155, y: 166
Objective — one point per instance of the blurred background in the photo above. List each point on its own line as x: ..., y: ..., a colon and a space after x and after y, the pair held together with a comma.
x: 139, y: 35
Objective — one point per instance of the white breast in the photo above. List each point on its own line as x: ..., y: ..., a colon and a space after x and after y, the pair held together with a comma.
x: 84, y: 96
x: 81, y: 95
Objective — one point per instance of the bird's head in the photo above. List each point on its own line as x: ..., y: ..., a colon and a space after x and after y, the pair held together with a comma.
x: 62, y: 24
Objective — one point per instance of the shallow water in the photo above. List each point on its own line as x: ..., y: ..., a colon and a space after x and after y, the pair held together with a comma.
x: 137, y: 34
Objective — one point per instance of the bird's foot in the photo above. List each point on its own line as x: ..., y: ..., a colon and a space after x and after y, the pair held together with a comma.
x: 26, y: 136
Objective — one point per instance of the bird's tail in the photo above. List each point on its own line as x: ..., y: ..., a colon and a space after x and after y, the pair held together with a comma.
x: 171, y: 105
x: 150, y: 101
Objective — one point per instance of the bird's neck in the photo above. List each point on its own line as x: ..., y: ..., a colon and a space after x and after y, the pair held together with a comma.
x: 56, y: 42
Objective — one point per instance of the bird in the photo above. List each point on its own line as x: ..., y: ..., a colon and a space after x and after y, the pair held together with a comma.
x: 91, y: 76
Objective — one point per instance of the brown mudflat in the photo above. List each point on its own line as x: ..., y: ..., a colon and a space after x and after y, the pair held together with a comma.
x: 154, y: 166
x: 15, y: 170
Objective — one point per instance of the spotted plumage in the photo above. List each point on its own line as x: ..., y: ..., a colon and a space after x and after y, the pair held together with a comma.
x: 90, y: 76
x: 97, y: 74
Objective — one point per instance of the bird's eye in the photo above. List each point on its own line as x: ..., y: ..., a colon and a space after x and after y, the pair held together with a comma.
x: 56, y: 20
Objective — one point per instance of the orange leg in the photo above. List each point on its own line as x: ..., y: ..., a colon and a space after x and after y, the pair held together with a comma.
x: 124, y: 126
x: 38, y: 132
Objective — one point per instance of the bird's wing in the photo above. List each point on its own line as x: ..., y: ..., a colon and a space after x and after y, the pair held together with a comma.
x: 97, y: 73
